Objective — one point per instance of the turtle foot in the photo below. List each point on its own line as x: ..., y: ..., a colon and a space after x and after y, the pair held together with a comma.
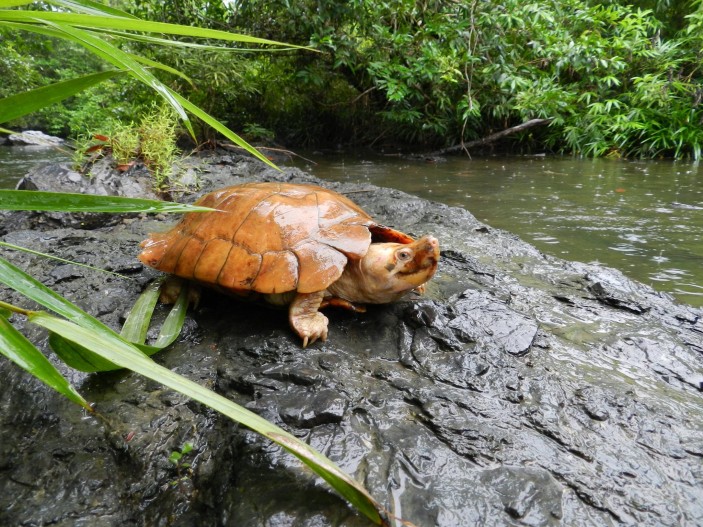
x: 306, y: 320
x: 171, y: 289
x: 311, y: 328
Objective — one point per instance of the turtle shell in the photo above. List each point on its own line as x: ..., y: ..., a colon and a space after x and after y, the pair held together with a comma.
x: 267, y: 237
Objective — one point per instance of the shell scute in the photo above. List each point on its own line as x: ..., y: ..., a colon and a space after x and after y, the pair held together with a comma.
x: 278, y: 273
x: 318, y: 264
x: 214, y: 255
x: 239, y: 270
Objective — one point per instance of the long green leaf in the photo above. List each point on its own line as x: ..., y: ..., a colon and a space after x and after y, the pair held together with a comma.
x: 89, y: 7
x: 72, y: 202
x: 163, y: 67
x: 193, y: 45
x: 173, y: 324
x: 229, y: 134
x: 78, y: 357
x: 136, y: 325
x: 122, y: 60
x: 23, y: 103
x: 22, y: 352
x: 116, y: 350
x: 52, y: 257
x: 130, y: 24
x: 15, y: 3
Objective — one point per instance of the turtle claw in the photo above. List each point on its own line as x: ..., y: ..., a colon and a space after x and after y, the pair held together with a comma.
x: 306, y: 320
x: 311, y: 328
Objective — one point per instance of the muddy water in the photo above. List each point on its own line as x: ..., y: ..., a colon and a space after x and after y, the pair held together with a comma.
x: 644, y: 218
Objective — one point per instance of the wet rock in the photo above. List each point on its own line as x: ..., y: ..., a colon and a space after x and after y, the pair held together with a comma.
x: 34, y: 138
x: 520, y: 390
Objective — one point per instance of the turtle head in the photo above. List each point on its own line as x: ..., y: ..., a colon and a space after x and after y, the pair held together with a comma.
x: 388, y: 270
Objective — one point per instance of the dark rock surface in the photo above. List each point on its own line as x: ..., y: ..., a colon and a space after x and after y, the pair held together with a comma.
x: 520, y: 390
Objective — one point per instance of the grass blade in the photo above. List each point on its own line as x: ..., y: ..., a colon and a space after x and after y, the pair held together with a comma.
x: 229, y: 134
x: 23, y: 103
x: 72, y: 202
x: 22, y: 352
x: 132, y: 24
x: 52, y: 257
x: 116, y: 350
x: 89, y: 7
x: 136, y: 325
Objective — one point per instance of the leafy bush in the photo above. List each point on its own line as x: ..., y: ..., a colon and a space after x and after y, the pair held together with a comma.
x: 614, y: 78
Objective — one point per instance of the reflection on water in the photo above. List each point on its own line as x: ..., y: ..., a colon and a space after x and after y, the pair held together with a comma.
x: 644, y: 218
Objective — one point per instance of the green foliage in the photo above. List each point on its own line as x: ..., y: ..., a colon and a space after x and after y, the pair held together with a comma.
x: 176, y: 457
x: 157, y: 141
x: 612, y: 77
x: 152, y: 139
x: 616, y: 77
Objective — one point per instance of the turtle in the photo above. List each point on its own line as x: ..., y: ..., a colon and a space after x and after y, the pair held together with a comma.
x: 294, y: 245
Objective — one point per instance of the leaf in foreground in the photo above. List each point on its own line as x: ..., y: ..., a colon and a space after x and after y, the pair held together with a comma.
x: 117, y: 351
x: 30, y: 101
x: 70, y: 202
x: 22, y: 352
x: 92, y: 335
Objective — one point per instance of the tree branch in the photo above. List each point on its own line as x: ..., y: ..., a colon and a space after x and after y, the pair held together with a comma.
x: 490, y: 138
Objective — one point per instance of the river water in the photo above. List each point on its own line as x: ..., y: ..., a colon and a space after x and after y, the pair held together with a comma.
x: 644, y: 218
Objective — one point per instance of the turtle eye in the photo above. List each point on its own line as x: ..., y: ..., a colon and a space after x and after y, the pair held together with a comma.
x: 404, y: 255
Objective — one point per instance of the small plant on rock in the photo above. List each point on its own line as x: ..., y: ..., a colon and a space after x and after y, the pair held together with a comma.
x: 157, y: 136
x: 153, y: 141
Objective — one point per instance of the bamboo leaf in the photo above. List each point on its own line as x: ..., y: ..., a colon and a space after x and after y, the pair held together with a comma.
x: 23, y: 103
x: 173, y: 324
x: 77, y: 357
x: 131, y: 24
x: 185, y: 44
x: 136, y: 325
x: 72, y: 202
x: 89, y: 7
x: 121, y: 353
x: 14, y: 3
x: 22, y: 352
x: 119, y: 58
x: 163, y: 67
x: 52, y: 257
x: 229, y: 134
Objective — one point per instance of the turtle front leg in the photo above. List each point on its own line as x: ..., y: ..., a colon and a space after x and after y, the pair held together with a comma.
x: 305, y: 319
x: 171, y: 290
